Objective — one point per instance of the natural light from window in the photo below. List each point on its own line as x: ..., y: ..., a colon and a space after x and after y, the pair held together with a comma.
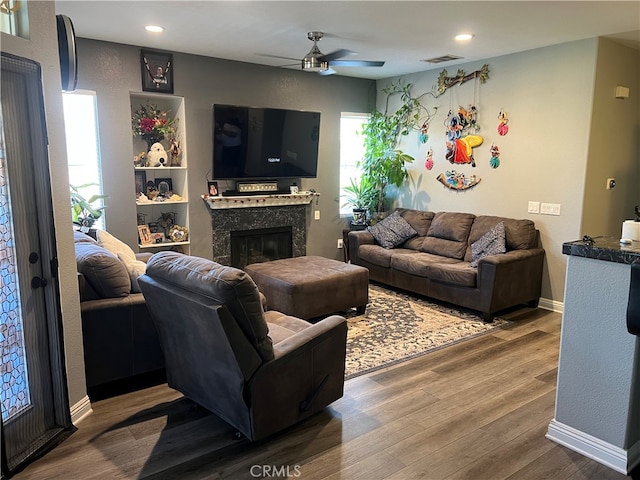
x: 83, y: 156
x: 351, y: 151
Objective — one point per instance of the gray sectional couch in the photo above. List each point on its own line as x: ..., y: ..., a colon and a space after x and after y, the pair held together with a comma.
x: 437, y: 261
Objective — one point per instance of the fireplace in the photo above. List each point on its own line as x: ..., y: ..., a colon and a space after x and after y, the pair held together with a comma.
x: 260, y: 245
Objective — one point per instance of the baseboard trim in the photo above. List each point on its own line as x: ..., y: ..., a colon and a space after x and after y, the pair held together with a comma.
x: 81, y: 410
x: 616, y: 458
x: 553, y: 305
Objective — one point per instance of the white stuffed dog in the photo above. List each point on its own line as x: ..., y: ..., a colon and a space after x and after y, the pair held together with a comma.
x: 157, y: 156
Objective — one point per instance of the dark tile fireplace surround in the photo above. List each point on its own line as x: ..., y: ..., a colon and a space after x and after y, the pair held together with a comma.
x: 261, y: 219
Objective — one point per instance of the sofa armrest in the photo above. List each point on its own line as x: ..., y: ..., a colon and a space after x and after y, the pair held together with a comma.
x: 511, y: 278
x: 357, y: 238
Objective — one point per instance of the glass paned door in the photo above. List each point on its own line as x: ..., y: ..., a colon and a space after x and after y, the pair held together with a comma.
x: 35, y: 406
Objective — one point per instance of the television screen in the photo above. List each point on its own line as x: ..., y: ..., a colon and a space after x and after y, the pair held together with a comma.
x: 255, y: 143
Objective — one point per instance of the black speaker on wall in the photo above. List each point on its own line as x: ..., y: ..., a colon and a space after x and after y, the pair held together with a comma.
x: 67, y: 53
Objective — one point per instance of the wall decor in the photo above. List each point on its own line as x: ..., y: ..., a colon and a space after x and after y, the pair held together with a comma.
x: 179, y: 234
x: 461, y: 129
x: 157, y: 71
x: 503, y: 120
x: 428, y: 163
x: 457, y: 181
x: 445, y: 82
x: 495, y: 156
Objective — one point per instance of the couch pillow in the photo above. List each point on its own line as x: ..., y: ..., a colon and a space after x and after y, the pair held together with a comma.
x: 491, y: 243
x: 102, y: 270
x: 135, y: 268
x: 115, y: 246
x: 392, y: 231
x: 418, y: 219
x: 448, y: 234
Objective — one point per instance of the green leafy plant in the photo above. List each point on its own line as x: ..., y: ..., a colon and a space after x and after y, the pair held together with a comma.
x: 83, y: 212
x: 360, y: 194
x: 383, y: 163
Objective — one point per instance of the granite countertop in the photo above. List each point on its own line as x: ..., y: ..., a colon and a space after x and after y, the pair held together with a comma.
x: 604, y: 248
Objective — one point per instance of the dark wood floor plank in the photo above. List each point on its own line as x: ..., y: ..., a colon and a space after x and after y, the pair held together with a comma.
x: 474, y: 410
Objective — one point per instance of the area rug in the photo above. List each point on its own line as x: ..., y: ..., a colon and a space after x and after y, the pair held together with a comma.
x: 399, y: 326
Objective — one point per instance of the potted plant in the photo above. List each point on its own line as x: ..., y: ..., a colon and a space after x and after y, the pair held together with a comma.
x: 83, y: 212
x: 361, y: 196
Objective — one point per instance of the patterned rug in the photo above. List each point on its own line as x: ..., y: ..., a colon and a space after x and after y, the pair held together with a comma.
x: 398, y: 326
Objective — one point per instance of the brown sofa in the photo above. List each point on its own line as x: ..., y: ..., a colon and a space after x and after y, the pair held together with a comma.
x: 120, y: 341
x: 437, y: 260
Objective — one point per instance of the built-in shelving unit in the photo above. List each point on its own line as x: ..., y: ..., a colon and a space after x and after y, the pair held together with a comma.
x: 151, y: 212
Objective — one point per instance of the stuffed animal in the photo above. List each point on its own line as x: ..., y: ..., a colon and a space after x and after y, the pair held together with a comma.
x: 157, y: 156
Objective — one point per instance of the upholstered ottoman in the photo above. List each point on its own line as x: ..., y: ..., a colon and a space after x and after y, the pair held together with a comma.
x: 308, y: 287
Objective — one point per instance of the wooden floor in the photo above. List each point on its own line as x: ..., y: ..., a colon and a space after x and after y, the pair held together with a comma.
x: 476, y: 410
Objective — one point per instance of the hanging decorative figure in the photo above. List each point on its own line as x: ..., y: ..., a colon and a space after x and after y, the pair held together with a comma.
x: 503, y: 120
x: 429, y: 159
x: 460, y: 142
x: 423, y: 132
x: 495, y: 154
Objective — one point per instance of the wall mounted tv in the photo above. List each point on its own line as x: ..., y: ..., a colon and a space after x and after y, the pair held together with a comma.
x: 260, y: 143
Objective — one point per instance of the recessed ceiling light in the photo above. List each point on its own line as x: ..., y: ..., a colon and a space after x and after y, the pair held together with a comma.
x: 463, y: 36
x: 154, y: 28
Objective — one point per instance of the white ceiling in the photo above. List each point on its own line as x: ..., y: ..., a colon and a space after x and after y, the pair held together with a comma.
x: 401, y: 33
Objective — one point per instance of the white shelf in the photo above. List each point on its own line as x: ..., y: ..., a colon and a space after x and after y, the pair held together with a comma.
x: 163, y: 244
x: 159, y: 169
x: 157, y: 204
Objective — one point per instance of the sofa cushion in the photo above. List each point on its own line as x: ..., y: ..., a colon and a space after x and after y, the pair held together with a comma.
x: 519, y: 234
x: 115, y: 246
x: 102, y: 270
x: 392, y: 231
x: 419, y: 264
x: 460, y: 273
x: 82, y: 237
x: 419, y: 220
x: 448, y: 234
x: 135, y: 268
x: 491, y: 243
x: 225, y: 285
x: 380, y: 256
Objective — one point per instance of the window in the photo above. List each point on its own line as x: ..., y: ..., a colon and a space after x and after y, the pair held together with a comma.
x: 351, y: 150
x: 83, y: 156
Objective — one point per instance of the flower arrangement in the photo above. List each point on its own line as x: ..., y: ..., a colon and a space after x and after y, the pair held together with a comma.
x: 152, y: 124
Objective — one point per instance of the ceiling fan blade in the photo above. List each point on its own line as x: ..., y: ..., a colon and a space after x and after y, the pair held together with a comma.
x: 277, y: 56
x: 357, y: 63
x: 328, y: 71
x: 338, y: 54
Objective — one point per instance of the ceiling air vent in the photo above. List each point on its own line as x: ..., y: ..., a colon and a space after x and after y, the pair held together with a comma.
x: 443, y: 58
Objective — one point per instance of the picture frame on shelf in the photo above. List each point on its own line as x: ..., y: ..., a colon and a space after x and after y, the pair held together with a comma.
x: 164, y: 186
x: 140, y: 182
x: 212, y: 188
x: 179, y: 234
x: 157, y: 71
x: 145, y: 235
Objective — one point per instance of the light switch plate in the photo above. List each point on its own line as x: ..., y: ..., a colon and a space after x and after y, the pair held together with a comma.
x: 534, y: 207
x: 550, y: 208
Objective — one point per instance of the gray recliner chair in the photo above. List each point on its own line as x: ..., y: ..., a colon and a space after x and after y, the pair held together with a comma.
x: 259, y: 371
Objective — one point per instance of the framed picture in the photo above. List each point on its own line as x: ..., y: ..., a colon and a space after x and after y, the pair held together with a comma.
x: 145, y: 235
x: 157, y: 71
x: 164, y: 186
x: 213, y: 189
x: 141, y: 182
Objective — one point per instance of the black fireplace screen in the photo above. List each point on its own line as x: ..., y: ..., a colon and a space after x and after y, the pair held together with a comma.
x: 260, y: 245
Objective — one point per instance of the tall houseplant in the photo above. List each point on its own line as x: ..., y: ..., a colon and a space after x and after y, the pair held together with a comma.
x: 383, y: 163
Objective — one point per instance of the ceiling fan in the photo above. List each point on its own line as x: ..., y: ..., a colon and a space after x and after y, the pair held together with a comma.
x: 316, y: 61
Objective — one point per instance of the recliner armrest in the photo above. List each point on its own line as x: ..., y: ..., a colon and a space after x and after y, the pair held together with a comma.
x: 316, y: 332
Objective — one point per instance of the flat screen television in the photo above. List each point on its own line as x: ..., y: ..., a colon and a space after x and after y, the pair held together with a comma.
x: 264, y: 143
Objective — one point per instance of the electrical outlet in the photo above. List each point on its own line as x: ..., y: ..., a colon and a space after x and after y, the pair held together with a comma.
x: 316, y: 214
x: 340, y: 245
x: 534, y: 207
x: 550, y: 208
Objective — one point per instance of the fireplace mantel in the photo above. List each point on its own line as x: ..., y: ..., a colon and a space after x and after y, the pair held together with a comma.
x: 252, y: 201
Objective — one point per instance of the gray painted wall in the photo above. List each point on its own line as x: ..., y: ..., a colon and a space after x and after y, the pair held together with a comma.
x: 113, y: 70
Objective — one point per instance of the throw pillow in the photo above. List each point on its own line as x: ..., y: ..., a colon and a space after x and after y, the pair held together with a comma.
x: 135, y: 268
x: 491, y: 243
x: 392, y: 231
x: 115, y: 246
x: 102, y: 270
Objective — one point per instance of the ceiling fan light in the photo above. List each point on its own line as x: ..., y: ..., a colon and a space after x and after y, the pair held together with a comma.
x: 314, y: 63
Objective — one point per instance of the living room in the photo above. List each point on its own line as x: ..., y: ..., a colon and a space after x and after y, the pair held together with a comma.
x: 559, y: 149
